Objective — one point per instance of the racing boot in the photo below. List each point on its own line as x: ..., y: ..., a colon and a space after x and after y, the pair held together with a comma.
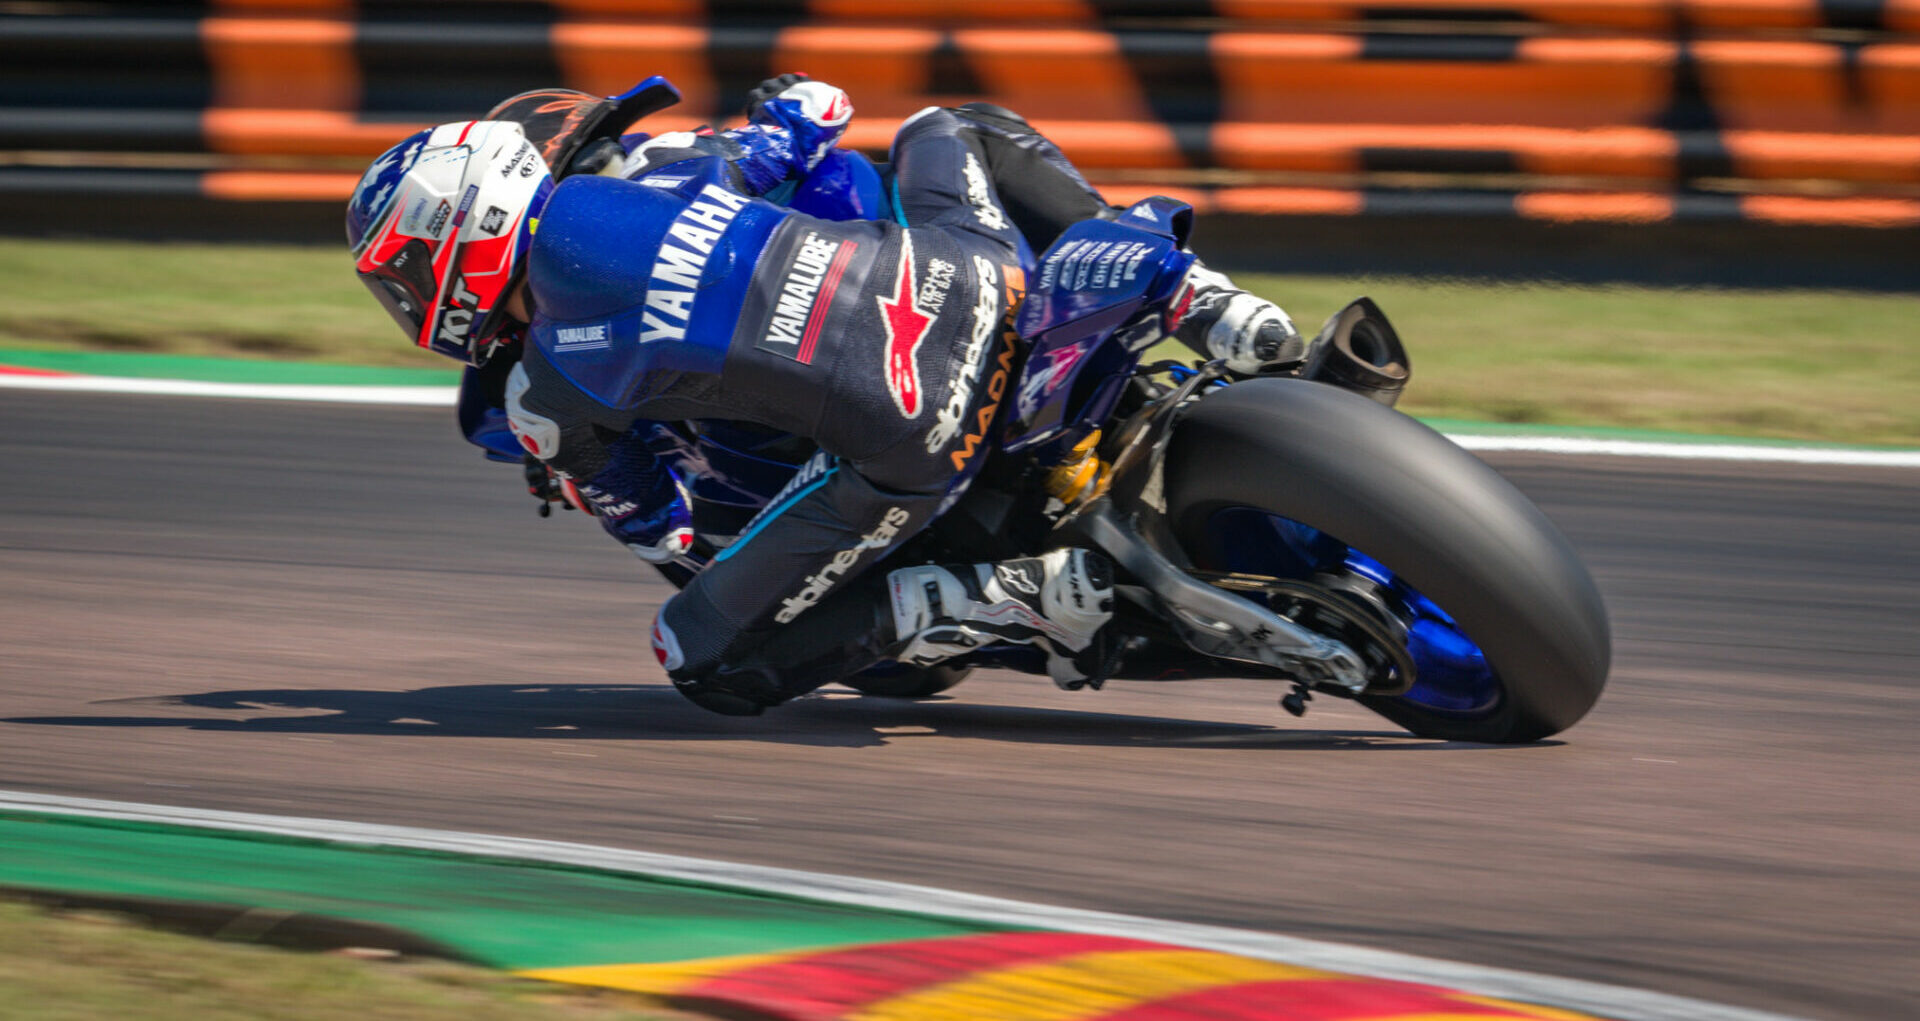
x: 1059, y: 602
x: 1251, y: 334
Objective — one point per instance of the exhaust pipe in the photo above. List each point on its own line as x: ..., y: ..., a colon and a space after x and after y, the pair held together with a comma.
x: 1358, y: 350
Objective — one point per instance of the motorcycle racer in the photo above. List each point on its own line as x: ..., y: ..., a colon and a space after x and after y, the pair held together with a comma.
x: 669, y: 292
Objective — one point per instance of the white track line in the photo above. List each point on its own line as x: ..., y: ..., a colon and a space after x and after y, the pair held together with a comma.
x: 404, y: 395
x: 1700, y: 451
x: 1593, y: 997
x: 436, y: 396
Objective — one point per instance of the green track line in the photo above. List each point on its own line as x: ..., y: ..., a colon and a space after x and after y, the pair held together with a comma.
x: 509, y: 914
x: 220, y: 370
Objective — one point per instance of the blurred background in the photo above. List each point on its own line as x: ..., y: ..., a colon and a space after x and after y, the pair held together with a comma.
x: 1665, y: 144
x: 1692, y: 217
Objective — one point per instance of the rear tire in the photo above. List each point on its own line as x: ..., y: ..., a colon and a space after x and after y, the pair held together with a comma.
x: 1438, y: 517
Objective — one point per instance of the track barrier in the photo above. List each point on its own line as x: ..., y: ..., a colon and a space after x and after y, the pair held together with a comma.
x: 1620, y: 111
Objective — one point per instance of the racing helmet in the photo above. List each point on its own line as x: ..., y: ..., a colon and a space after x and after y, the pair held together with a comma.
x: 440, y: 225
x: 577, y: 132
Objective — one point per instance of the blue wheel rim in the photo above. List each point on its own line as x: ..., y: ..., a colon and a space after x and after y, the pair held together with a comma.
x: 1454, y: 678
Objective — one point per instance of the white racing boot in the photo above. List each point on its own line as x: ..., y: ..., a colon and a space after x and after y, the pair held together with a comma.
x: 1058, y: 601
x: 1250, y: 333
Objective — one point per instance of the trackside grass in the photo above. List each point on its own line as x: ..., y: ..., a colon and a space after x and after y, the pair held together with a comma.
x: 1806, y: 365
x: 90, y: 965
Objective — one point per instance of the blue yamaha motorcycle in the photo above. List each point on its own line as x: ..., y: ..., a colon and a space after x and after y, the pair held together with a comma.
x: 1294, y: 529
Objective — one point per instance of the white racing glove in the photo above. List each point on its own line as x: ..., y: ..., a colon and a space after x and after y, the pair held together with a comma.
x: 1251, y: 334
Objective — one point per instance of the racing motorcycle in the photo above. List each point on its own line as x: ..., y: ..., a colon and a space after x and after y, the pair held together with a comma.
x: 1292, y: 528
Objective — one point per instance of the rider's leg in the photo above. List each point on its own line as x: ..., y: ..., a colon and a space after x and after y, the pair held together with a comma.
x: 1059, y: 601
x: 1041, y: 190
x: 1043, y: 194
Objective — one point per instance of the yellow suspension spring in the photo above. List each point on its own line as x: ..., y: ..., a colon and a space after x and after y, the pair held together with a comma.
x: 1081, y: 476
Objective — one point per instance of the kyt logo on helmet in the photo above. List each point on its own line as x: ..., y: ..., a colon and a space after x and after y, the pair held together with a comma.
x: 442, y: 270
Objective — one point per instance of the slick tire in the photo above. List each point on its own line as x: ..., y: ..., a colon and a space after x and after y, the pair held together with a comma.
x: 1437, y: 516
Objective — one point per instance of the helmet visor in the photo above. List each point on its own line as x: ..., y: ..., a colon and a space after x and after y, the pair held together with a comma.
x: 404, y: 285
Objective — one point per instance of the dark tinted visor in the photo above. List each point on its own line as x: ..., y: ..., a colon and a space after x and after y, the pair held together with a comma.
x: 405, y: 287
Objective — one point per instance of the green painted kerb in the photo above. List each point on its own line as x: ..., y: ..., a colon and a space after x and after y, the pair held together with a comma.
x: 221, y: 370
x: 510, y: 914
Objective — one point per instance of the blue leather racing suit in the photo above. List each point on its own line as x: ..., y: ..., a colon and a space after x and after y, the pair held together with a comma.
x: 889, y: 344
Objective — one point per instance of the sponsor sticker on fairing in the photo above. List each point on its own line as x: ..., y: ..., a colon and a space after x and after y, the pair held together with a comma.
x: 820, y: 583
x: 494, y: 220
x: 1042, y: 381
x: 1093, y: 265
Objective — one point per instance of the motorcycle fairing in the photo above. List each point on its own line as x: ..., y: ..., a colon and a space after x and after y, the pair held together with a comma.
x: 1099, y: 278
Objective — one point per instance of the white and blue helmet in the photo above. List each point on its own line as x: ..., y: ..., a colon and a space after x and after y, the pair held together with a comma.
x: 440, y: 225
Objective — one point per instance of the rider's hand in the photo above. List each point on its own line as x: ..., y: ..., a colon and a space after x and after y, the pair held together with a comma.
x: 1263, y: 341
x: 542, y: 483
x: 657, y: 535
x: 1251, y: 334
x: 814, y: 113
x: 770, y: 88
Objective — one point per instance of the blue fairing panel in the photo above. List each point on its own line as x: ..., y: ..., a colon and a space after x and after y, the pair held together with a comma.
x: 1099, y: 271
x: 631, y: 280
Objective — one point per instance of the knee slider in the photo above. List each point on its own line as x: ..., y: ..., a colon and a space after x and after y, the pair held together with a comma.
x: 731, y: 693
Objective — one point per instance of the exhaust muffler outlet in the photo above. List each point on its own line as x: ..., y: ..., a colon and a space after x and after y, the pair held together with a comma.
x: 1358, y: 350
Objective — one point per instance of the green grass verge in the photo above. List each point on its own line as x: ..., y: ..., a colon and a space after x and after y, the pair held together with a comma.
x: 249, y: 301
x: 1800, y: 365
x: 82, y: 966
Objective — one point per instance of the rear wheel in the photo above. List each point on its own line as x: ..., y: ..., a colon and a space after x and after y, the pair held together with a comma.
x: 1295, y: 479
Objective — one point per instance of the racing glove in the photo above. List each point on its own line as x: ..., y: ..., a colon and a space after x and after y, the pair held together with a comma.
x: 637, y: 499
x: 770, y: 88
x: 544, y: 485
x: 812, y: 115
x: 658, y: 534
x: 1251, y: 334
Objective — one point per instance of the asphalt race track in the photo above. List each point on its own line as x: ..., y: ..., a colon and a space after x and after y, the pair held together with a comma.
x: 343, y: 612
